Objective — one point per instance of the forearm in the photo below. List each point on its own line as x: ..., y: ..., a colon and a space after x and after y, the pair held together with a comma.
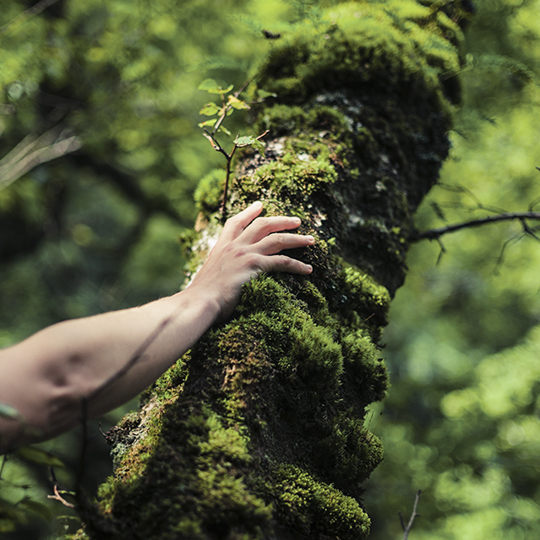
x: 81, y: 359
x: 103, y: 361
x: 122, y: 352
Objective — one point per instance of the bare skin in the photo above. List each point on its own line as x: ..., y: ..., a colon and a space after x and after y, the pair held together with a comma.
x: 47, y: 376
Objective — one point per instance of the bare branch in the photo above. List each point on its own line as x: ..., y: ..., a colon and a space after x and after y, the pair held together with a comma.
x: 407, y: 528
x: 35, y: 150
x: 30, y: 12
x: 218, y: 148
x: 435, y: 234
x: 58, y: 497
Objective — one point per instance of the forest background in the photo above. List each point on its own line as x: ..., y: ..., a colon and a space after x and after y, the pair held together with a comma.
x: 100, y: 159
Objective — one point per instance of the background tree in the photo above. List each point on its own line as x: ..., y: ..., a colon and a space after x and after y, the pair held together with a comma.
x: 75, y: 269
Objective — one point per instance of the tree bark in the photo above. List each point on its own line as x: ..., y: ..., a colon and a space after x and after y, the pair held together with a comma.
x: 260, y: 431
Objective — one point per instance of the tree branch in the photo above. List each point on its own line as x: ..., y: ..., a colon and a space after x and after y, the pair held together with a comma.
x: 407, y: 528
x: 35, y: 150
x: 435, y: 234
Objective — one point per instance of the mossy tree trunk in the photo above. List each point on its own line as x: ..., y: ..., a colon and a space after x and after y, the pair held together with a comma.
x: 259, y: 432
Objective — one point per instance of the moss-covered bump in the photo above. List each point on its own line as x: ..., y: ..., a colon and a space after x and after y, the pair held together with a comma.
x: 359, y: 43
x: 316, y: 509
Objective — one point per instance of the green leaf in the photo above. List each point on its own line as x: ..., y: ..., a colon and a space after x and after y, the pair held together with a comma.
x: 37, y: 508
x: 263, y: 94
x: 222, y: 90
x: 38, y: 456
x: 212, y: 87
x: 209, y: 109
x: 249, y: 140
x: 260, y: 146
x: 209, y: 85
x: 7, y: 411
x: 224, y: 130
x: 238, y: 104
x: 208, y: 123
x: 244, y: 141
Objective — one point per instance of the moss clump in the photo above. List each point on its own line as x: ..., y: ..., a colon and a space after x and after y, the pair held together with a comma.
x: 299, y: 346
x: 364, y: 366
x: 209, y: 192
x: 316, y: 509
x: 304, y: 168
x: 280, y: 119
x: 368, y: 43
x: 198, y: 490
x: 363, y: 295
x: 350, y: 452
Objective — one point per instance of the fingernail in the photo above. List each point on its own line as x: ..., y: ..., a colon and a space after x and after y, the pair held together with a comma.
x: 310, y: 268
x: 257, y: 203
x: 311, y: 239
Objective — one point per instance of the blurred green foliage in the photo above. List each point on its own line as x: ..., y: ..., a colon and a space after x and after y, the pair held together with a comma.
x: 98, y: 229
x: 461, y: 420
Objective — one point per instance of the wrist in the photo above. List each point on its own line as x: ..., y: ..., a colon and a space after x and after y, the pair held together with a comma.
x: 202, y: 302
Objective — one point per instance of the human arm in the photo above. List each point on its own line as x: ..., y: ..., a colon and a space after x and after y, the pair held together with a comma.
x: 47, y: 377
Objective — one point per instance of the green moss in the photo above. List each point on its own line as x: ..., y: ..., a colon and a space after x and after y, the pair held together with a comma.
x: 209, y: 192
x: 316, y: 509
x: 364, y: 42
x: 281, y: 119
x: 303, y: 169
x: 363, y: 295
x: 350, y: 451
x: 195, y: 460
x: 364, y: 365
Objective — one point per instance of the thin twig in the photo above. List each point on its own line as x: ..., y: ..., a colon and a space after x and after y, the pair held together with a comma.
x: 227, y: 177
x: 215, y: 143
x: 59, y: 498
x: 229, y: 107
x: 407, y: 528
x: 4, y: 459
x: 435, y: 234
x: 228, y: 157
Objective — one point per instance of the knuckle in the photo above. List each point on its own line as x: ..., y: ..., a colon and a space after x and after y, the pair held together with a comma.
x: 279, y: 239
x: 253, y: 262
x: 262, y: 222
x: 286, y: 262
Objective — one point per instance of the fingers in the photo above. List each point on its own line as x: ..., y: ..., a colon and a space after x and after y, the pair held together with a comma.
x: 235, y: 225
x: 282, y: 263
x: 264, y: 240
x: 274, y: 243
x: 253, y: 230
x: 262, y: 227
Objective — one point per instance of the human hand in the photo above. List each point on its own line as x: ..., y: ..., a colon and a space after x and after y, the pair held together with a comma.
x: 247, y: 247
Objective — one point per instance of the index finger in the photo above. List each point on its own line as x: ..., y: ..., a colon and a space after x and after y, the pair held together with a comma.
x: 235, y: 226
x: 262, y: 227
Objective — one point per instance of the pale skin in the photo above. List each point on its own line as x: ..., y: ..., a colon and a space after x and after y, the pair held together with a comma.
x: 48, y: 376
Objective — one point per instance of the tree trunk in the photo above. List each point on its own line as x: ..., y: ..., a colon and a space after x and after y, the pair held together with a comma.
x: 260, y: 431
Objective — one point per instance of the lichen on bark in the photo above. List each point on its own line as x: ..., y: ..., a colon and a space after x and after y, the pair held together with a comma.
x: 259, y: 431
